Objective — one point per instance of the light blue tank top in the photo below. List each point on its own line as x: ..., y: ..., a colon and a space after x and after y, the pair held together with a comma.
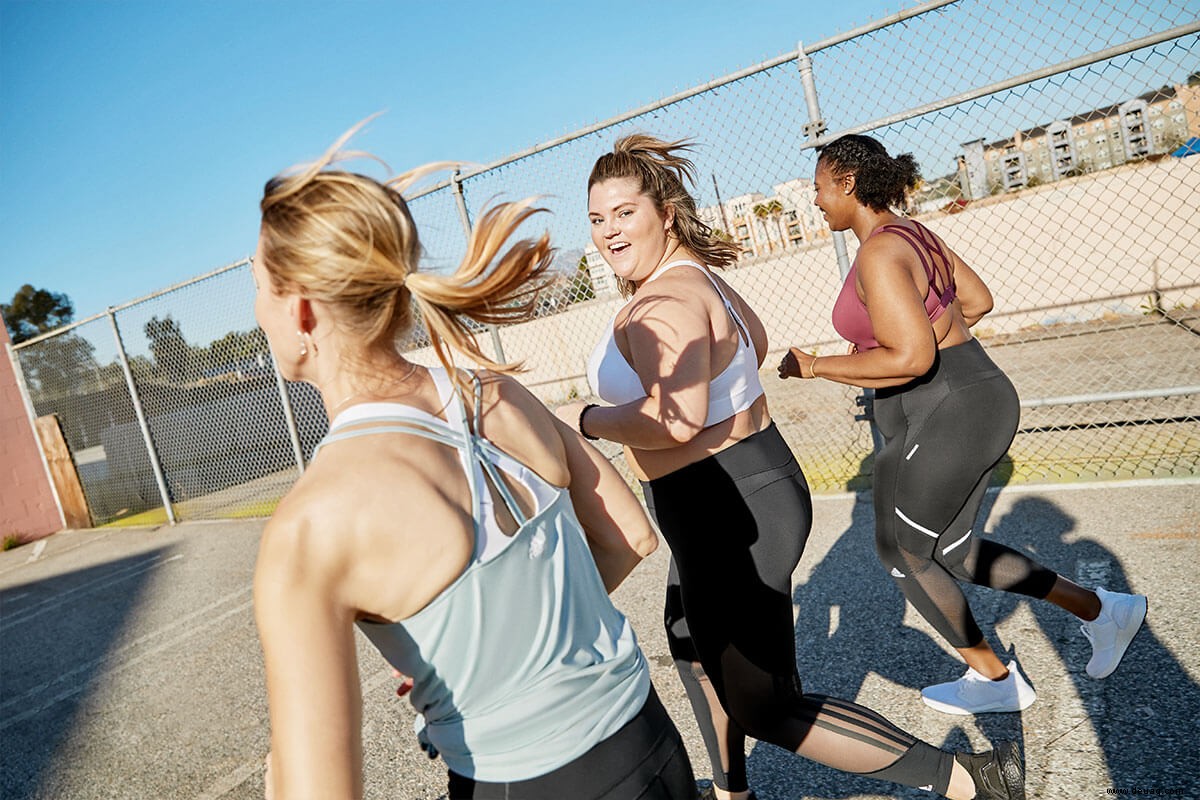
x: 522, y: 664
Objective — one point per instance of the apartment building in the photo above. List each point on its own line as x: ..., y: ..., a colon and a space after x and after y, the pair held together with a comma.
x: 762, y: 224
x: 1153, y: 123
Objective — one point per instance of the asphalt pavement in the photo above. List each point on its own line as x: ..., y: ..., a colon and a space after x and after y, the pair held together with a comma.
x: 130, y: 667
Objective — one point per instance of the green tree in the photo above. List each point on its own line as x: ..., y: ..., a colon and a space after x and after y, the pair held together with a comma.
x: 773, y: 209
x: 59, y: 365
x: 34, y: 311
x: 175, y: 359
x: 581, y: 283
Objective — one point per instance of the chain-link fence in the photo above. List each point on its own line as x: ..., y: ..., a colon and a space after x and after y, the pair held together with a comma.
x: 1058, y: 143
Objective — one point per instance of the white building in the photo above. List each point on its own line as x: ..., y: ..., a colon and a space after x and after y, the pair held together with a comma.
x: 604, y: 280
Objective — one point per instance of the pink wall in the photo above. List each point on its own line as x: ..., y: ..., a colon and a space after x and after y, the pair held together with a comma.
x: 27, y: 505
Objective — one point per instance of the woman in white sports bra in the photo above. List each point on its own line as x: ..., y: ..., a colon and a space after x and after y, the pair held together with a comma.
x: 471, y: 536
x: 678, y: 369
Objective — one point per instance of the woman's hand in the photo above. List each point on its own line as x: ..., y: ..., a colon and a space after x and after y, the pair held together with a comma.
x: 797, y: 364
x: 569, y: 414
x: 406, y: 682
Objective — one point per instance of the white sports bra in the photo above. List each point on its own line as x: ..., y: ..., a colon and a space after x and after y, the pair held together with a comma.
x: 614, y: 381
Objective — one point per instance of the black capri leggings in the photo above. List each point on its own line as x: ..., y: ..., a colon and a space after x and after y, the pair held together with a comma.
x: 944, y: 434
x: 737, y: 523
x: 644, y: 760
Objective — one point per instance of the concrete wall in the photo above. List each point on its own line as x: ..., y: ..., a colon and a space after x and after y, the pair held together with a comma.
x: 1073, y: 250
x: 28, y: 508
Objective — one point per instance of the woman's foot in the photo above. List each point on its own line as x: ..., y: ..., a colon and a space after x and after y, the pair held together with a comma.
x: 976, y: 694
x: 998, y: 774
x: 1121, y: 617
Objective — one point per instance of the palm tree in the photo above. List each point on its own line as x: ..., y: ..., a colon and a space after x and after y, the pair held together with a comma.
x: 772, y: 208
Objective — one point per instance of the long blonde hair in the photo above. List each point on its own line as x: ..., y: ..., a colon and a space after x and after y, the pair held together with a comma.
x: 661, y: 172
x: 349, y: 241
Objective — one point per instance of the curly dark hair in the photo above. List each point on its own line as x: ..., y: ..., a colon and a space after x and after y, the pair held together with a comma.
x: 881, y: 182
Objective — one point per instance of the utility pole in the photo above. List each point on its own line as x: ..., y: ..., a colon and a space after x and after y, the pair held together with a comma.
x: 721, y: 205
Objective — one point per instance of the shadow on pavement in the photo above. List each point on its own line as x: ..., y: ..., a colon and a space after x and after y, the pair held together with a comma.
x: 1143, y: 715
x: 59, y: 638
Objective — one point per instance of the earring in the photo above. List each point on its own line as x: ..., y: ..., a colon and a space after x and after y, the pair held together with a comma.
x: 303, y: 344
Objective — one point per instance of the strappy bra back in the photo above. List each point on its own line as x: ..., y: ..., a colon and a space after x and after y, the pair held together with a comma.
x: 734, y: 390
x: 850, y: 318
x: 478, y: 456
x: 522, y: 663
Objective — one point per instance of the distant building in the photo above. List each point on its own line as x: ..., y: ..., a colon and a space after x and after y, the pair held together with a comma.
x: 604, y: 280
x: 761, y: 225
x: 1153, y: 123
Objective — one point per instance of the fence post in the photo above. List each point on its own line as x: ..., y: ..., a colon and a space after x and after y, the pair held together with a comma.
x: 151, y: 452
x: 465, y: 217
x: 289, y: 417
x: 814, y: 129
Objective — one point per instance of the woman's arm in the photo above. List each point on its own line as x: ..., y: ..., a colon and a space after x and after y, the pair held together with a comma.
x: 974, y: 297
x: 669, y: 340
x: 313, y: 686
x: 618, y: 531
x: 896, y: 308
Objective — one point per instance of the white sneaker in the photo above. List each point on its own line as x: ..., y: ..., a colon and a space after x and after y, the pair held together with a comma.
x: 975, y: 694
x: 1121, y: 616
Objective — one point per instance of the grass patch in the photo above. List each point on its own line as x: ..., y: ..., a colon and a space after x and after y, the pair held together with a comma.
x: 155, y: 516
x: 259, y: 508
x: 11, y: 541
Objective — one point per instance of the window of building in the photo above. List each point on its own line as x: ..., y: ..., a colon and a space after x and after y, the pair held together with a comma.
x: 1098, y: 126
x: 1174, y: 105
x: 1155, y: 111
x: 1158, y: 123
x: 1179, y: 119
x: 1027, y: 146
x: 1101, y: 140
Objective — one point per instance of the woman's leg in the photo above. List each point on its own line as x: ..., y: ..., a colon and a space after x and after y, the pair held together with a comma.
x: 723, y: 739
x: 737, y: 531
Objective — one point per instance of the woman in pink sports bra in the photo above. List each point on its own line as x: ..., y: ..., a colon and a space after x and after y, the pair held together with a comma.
x: 678, y: 371
x: 948, y: 415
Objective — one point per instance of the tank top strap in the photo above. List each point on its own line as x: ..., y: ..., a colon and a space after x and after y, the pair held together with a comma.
x: 485, y: 453
x: 737, y: 319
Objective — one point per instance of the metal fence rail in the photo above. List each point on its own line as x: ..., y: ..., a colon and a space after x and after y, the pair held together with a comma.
x: 1047, y: 133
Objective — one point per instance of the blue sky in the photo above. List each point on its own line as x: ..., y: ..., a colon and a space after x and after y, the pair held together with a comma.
x: 135, y: 136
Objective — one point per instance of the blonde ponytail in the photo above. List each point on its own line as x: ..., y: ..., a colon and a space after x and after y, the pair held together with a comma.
x: 349, y: 241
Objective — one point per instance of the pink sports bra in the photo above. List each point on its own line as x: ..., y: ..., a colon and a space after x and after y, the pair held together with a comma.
x: 850, y: 318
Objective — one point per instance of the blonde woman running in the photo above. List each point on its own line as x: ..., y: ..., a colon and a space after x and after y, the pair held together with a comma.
x: 448, y: 515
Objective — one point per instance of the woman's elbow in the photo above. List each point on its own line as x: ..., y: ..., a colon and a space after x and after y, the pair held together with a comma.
x: 977, y: 311
x: 645, y: 544
x: 680, y: 430
x: 917, y: 362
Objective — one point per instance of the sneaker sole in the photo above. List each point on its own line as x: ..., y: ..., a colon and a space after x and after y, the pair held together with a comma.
x: 947, y: 708
x: 1123, y: 646
x: 1012, y: 769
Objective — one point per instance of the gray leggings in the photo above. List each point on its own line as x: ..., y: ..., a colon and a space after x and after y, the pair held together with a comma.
x: 944, y: 433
